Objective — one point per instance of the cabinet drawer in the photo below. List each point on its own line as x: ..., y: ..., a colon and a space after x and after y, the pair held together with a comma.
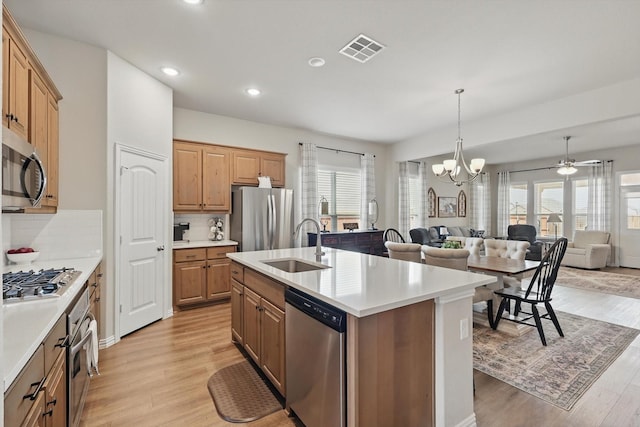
x: 182, y: 255
x: 53, y: 344
x: 219, y: 251
x: 266, y: 287
x: 237, y: 272
x: 16, y: 406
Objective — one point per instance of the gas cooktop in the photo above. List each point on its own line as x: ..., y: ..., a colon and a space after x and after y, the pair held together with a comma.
x: 30, y: 285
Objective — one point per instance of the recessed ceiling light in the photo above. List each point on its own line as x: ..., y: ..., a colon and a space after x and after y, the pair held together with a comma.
x: 316, y: 62
x: 170, y: 71
x: 252, y: 91
x: 193, y: 1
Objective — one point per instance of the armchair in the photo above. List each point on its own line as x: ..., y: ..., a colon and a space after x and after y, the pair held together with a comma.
x: 424, y: 236
x: 589, y: 249
x: 526, y: 232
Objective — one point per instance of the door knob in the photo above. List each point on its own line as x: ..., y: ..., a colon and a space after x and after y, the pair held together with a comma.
x: 160, y: 248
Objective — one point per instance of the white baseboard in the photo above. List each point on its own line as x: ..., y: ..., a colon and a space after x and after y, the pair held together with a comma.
x: 107, y: 342
x: 470, y: 421
x: 168, y: 314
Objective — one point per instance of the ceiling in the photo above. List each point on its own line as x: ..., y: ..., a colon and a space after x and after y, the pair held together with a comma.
x: 508, y: 55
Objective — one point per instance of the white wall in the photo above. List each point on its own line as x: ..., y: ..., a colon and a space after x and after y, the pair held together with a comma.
x: 139, y: 112
x: 202, y: 127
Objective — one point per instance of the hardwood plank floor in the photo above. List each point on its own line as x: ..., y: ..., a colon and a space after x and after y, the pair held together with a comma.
x: 157, y: 376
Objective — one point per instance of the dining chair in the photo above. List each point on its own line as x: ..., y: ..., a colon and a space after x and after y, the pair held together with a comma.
x: 457, y: 259
x: 404, y: 251
x: 538, y: 292
x: 514, y: 249
x: 393, y: 235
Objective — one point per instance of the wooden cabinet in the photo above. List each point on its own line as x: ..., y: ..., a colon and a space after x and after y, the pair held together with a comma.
x: 15, y: 93
x: 30, y: 105
x: 237, y: 310
x: 24, y: 400
x: 365, y: 241
x: 35, y: 417
x: 248, y: 165
x: 55, y: 404
x: 201, y: 275
x: 257, y: 309
x: 201, y: 177
x: 95, y: 288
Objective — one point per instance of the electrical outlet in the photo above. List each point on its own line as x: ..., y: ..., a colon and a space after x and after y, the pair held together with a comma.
x: 464, y: 328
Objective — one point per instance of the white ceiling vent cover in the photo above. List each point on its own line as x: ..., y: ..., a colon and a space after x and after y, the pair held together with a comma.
x: 362, y: 48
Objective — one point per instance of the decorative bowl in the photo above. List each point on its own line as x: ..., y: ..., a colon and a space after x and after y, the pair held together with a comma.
x: 23, y: 258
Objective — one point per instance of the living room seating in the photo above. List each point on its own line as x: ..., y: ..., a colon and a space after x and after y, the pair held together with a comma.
x: 424, y: 236
x: 589, y: 249
x: 514, y: 249
x: 538, y: 292
x: 475, y: 245
x: 457, y: 259
x: 404, y: 251
x: 527, y: 233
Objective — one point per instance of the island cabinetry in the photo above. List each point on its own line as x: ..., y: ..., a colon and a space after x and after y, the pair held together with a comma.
x: 95, y: 286
x: 391, y: 367
x: 201, y: 275
x: 257, y: 309
x: 248, y: 165
x: 201, y: 177
x: 237, y: 303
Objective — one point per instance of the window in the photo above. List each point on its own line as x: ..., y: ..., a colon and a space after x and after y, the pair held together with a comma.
x: 580, y: 203
x: 518, y: 204
x: 548, y: 199
x: 342, y: 189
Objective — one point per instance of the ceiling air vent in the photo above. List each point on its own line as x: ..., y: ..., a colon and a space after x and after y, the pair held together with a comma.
x: 362, y: 48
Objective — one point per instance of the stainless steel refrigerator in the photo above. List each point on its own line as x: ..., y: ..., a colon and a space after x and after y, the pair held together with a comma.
x: 262, y: 218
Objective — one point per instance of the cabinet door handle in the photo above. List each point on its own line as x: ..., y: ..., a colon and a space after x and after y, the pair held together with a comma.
x: 204, y: 266
x: 49, y: 413
x: 38, y: 389
x: 63, y: 342
x: 15, y: 119
x: 209, y: 266
x: 191, y: 256
x: 9, y: 116
x: 53, y: 402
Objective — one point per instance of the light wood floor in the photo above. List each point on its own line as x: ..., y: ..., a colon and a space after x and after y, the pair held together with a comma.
x: 157, y: 376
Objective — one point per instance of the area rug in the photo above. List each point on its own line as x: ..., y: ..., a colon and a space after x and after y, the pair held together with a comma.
x: 599, y: 281
x: 559, y: 373
x: 240, y: 395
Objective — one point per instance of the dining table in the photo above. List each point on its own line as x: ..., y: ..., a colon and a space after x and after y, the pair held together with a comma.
x: 499, y: 267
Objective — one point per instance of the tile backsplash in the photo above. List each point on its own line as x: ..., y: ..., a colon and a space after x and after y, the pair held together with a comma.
x: 66, y: 234
x: 199, y: 225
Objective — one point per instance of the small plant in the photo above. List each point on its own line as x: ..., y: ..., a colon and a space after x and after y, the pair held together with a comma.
x: 452, y: 244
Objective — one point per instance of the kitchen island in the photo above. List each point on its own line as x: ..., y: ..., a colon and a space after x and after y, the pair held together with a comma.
x: 409, y: 346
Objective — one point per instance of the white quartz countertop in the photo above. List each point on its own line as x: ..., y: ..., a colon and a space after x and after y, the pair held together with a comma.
x: 189, y: 244
x: 26, y: 324
x: 362, y: 284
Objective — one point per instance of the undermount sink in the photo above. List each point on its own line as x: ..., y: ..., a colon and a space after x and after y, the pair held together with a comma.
x: 293, y: 265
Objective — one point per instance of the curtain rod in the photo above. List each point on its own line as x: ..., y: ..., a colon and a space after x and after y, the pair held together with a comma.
x: 338, y: 150
x: 547, y: 168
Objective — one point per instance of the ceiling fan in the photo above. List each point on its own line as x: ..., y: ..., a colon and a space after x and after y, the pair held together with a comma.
x: 568, y: 166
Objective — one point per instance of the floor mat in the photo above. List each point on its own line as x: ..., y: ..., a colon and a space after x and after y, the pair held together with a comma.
x: 240, y: 395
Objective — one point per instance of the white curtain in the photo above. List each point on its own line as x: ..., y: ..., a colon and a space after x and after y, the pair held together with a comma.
x: 480, y: 204
x: 504, y: 184
x: 308, y: 188
x: 403, y: 200
x: 368, y: 187
x: 600, y: 197
x: 423, y: 201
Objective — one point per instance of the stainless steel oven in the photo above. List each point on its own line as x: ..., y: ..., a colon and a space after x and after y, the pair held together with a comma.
x: 78, y: 321
x: 23, y: 176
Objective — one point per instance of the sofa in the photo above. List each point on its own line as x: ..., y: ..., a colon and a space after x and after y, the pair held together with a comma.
x: 589, y: 249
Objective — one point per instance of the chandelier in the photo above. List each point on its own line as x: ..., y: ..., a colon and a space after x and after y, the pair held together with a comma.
x: 453, y: 168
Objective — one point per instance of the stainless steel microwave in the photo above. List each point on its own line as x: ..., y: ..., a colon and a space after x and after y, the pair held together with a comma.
x: 23, y: 176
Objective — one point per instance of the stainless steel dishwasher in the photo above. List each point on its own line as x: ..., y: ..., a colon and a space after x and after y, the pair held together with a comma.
x: 315, y: 360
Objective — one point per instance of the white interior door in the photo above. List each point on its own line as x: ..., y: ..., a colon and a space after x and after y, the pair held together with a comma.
x: 629, y: 236
x: 143, y: 205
